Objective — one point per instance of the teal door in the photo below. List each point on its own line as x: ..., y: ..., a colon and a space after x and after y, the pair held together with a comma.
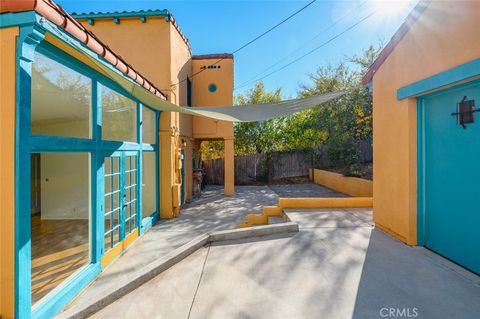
x: 121, y: 204
x: 451, y: 177
x: 182, y: 188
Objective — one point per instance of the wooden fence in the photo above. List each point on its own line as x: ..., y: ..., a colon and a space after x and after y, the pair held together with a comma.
x: 250, y: 169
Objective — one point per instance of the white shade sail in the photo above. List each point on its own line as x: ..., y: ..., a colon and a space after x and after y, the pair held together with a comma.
x: 244, y: 113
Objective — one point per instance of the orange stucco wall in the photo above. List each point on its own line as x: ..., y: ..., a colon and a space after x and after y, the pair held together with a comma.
x: 141, y: 44
x: 7, y: 173
x: 207, y: 129
x: 204, y: 128
x: 446, y: 35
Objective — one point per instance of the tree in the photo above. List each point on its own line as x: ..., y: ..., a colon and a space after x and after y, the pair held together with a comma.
x: 257, y: 137
x: 347, y: 121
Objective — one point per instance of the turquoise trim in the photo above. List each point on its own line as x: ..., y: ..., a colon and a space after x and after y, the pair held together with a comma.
x: 102, y: 15
x: 19, y: 19
x: 182, y: 187
x: 420, y: 173
x: 29, y: 38
x: 421, y: 157
x: 149, y: 221
x: 451, y: 76
x: 29, y: 41
x: 157, y: 163
x: 139, y: 176
x: 66, y: 292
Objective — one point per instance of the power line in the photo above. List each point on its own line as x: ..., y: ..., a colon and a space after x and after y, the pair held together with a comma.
x: 254, y: 39
x: 275, y: 26
x: 349, y: 12
x: 311, y: 51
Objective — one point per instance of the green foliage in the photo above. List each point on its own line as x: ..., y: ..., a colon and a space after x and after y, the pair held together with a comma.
x: 257, y: 137
x: 339, y: 126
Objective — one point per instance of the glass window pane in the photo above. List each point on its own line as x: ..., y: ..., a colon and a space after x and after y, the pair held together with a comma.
x: 61, y: 100
x: 60, y: 218
x: 148, y: 126
x: 148, y: 184
x: 119, y: 117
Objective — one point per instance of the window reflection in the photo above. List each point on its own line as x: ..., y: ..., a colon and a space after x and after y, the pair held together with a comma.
x: 148, y: 126
x: 61, y: 100
x: 119, y: 117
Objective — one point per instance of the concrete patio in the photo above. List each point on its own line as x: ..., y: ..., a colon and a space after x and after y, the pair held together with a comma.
x: 337, y: 266
x: 210, y: 212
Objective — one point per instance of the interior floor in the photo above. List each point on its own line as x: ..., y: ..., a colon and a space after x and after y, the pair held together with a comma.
x: 59, y: 248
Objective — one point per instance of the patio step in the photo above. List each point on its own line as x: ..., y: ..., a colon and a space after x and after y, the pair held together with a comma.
x: 263, y: 217
x: 275, y: 220
x: 308, y: 202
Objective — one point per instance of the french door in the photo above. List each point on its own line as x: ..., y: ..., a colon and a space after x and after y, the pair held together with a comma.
x: 121, y: 203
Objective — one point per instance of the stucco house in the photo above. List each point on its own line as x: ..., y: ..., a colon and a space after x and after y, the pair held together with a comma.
x: 85, y: 166
x: 426, y: 131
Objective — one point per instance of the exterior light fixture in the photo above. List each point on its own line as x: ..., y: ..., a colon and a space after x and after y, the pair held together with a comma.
x: 465, y: 112
x: 211, y: 149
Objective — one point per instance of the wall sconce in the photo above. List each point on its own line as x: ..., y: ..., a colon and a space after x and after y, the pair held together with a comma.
x: 465, y: 112
x: 211, y: 149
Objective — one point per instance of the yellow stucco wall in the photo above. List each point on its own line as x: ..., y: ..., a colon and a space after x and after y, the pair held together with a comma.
x: 446, y: 35
x: 352, y: 186
x: 208, y: 129
x: 143, y: 45
x: 7, y: 173
x: 204, y: 128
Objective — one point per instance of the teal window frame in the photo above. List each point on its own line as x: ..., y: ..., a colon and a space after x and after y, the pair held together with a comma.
x: 31, y: 39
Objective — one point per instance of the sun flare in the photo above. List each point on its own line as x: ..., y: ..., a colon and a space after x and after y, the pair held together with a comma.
x: 390, y: 8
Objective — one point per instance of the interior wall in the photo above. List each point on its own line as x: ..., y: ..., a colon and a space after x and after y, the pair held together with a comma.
x: 65, y: 189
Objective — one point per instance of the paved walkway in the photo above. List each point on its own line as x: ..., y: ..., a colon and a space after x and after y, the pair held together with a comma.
x: 337, y: 266
x: 210, y: 212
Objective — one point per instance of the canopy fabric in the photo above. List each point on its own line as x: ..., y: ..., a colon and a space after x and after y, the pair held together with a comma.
x: 244, y: 113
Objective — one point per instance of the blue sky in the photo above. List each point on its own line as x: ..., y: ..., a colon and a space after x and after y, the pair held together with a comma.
x: 223, y: 26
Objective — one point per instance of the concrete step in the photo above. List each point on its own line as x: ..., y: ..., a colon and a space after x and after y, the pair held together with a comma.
x: 275, y: 220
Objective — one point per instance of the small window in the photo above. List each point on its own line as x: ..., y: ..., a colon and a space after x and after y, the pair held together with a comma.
x: 212, y: 88
x: 189, y: 92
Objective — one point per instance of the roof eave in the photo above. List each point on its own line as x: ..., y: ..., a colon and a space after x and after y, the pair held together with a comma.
x: 413, y: 17
x: 56, y: 15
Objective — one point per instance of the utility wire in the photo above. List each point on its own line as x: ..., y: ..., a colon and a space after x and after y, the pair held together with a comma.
x: 349, y: 12
x: 254, y: 39
x: 311, y: 51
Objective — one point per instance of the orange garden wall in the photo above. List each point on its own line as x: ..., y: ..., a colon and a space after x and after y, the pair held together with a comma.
x: 446, y: 35
x: 352, y: 186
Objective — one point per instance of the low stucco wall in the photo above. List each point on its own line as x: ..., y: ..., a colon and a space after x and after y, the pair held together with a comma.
x: 352, y: 186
